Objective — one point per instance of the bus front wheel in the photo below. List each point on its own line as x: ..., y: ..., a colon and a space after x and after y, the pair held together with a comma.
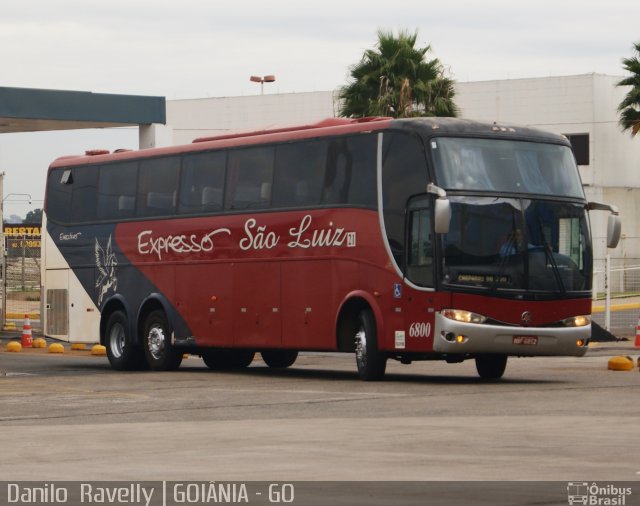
x: 161, y: 354
x: 279, y: 358
x: 491, y: 367
x: 370, y: 360
x: 123, y: 355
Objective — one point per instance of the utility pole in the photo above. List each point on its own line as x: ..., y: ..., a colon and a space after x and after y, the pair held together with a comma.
x: 3, y: 254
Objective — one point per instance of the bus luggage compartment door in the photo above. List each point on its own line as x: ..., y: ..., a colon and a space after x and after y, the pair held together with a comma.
x: 57, y: 304
x: 256, y: 304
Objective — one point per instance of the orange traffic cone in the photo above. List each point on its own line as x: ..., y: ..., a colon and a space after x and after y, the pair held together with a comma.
x: 27, y: 338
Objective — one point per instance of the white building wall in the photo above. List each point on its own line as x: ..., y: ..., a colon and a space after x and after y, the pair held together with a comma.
x: 205, y: 117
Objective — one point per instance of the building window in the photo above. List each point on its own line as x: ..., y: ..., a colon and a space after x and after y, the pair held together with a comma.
x: 580, y: 146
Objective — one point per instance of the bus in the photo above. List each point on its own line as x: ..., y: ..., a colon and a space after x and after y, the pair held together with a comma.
x: 404, y: 239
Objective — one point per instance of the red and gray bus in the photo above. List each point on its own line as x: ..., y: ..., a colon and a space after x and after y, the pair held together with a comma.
x: 403, y: 239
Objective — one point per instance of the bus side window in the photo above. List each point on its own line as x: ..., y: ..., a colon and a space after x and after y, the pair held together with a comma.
x: 157, y: 186
x: 404, y: 173
x: 420, y: 248
x: 202, y: 182
x: 298, y: 173
x: 117, y: 190
x: 249, y: 178
x: 59, y: 190
x: 338, y: 173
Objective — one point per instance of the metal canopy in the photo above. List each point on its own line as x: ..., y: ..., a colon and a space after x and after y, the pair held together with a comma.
x: 31, y: 110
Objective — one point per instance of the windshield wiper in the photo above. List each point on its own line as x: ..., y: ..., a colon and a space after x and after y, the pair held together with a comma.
x: 548, y: 253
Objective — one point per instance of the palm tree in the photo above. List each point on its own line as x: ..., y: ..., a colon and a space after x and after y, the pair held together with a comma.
x: 629, y: 108
x: 396, y: 80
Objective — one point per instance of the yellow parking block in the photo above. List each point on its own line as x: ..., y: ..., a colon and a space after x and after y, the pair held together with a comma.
x: 14, y: 347
x: 38, y: 342
x: 620, y: 364
x: 98, y: 350
x: 56, y: 348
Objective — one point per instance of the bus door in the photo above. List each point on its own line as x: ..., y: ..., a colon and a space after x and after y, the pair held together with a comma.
x: 419, y: 296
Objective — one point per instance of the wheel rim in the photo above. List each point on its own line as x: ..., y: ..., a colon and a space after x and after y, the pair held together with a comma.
x: 117, y: 340
x: 361, y: 346
x: 156, y: 340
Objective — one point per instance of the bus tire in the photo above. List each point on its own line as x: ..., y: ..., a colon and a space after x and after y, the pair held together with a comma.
x: 123, y: 355
x: 228, y: 359
x: 279, y: 358
x: 161, y: 354
x: 370, y: 360
x: 491, y: 367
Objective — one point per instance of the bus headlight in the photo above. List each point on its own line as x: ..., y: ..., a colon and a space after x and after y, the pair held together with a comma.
x: 577, y: 321
x: 460, y: 315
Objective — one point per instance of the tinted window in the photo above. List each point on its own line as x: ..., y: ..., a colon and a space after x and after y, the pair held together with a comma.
x: 350, y: 175
x: 249, y: 178
x: 157, y: 186
x: 404, y: 173
x: 117, y: 190
x: 59, y: 187
x: 299, y: 173
x: 420, y: 254
x: 362, y: 188
x: 85, y: 191
x: 202, y: 184
x: 71, y: 194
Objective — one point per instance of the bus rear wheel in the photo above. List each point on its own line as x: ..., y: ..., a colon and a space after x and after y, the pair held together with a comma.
x: 228, y: 359
x: 161, y: 354
x: 371, y: 362
x: 279, y: 358
x: 123, y: 355
x: 491, y: 367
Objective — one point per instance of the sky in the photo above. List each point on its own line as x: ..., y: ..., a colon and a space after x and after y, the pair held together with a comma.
x: 207, y: 48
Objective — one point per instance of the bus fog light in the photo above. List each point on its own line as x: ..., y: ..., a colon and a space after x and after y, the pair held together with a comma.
x: 449, y: 336
x: 461, y: 339
x: 580, y: 343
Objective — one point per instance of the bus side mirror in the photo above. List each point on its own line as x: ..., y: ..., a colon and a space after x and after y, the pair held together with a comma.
x: 614, y: 225
x: 442, y: 211
x: 614, y: 228
x: 442, y: 215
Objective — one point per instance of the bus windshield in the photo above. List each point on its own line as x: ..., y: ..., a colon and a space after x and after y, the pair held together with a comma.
x: 502, y: 244
x: 505, y: 166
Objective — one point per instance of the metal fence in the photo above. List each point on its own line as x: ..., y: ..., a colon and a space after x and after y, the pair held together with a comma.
x: 22, y: 280
x: 616, y: 293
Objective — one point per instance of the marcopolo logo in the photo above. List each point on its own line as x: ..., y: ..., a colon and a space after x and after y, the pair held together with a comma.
x: 594, y: 494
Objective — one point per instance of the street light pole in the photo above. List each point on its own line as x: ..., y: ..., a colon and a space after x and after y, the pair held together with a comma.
x: 262, y: 80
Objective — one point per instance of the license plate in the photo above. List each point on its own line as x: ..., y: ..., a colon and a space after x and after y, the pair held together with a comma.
x: 525, y: 340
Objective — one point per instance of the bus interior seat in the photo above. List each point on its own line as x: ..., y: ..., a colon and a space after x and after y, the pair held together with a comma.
x: 301, y: 194
x: 211, y: 197
x: 265, y: 192
x: 126, y: 204
x: 160, y: 201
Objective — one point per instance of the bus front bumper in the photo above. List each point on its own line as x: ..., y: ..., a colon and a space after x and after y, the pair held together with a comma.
x: 453, y: 337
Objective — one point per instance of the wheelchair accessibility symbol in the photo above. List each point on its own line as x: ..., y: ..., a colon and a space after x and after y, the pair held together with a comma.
x: 397, y: 291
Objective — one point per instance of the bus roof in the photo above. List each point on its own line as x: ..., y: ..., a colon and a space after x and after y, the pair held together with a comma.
x: 430, y: 127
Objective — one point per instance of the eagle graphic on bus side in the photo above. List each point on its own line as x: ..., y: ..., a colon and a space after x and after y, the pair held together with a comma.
x: 106, y: 264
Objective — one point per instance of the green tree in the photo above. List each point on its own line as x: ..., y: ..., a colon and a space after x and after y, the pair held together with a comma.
x: 629, y: 108
x: 397, y: 79
x: 34, y: 216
